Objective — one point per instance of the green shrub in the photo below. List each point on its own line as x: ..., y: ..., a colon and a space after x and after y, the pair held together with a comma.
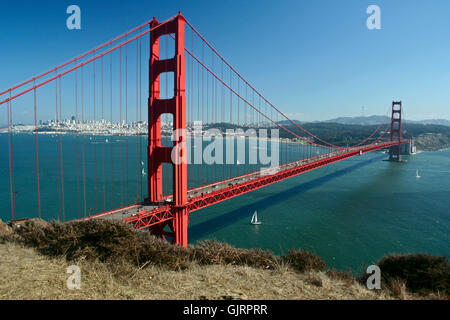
x: 422, y: 273
x: 303, y: 260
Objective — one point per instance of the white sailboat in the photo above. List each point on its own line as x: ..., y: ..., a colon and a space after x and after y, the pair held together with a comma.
x: 255, y: 219
x: 143, y: 172
x: 417, y: 174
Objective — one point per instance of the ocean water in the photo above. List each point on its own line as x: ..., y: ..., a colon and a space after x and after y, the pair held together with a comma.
x: 81, y: 175
x: 350, y: 213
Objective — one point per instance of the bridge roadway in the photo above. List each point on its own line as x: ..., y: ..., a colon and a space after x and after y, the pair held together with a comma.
x: 145, y: 215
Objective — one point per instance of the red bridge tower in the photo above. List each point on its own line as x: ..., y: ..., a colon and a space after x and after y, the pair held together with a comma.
x: 158, y: 154
x: 396, y: 131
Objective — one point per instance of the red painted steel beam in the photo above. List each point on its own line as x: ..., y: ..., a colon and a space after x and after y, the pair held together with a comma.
x: 151, y: 218
x: 159, y: 215
x: 396, y: 130
x: 245, y: 187
x: 158, y: 154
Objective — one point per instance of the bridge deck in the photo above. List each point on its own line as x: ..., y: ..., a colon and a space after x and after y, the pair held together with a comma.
x: 144, y: 215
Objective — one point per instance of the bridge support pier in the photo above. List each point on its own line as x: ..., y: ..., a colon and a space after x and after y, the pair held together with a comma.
x: 180, y: 225
x: 158, y: 154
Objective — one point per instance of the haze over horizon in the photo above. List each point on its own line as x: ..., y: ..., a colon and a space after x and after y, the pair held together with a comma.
x: 319, y: 61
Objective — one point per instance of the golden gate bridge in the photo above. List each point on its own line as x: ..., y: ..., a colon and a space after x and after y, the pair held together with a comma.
x: 186, y: 80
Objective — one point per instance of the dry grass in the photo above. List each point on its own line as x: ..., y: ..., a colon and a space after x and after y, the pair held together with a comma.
x: 212, y: 252
x: 112, y: 241
x: 303, y: 260
x: 118, y: 262
x: 26, y: 274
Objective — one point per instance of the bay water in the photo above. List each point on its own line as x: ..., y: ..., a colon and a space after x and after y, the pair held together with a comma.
x: 350, y: 213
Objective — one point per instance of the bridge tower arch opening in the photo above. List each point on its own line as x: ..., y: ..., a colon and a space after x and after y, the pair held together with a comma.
x: 176, y: 106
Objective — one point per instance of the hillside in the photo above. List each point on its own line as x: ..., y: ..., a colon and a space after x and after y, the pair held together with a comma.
x: 430, y: 137
x: 374, y: 120
x: 370, y: 120
x: 118, y: 262
x: 25, y: 274
x: 432, y: 141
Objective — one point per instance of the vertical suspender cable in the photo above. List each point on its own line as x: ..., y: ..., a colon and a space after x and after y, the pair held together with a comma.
x: 36, y: 153
x: 222, y: 120
x: 11, y: 160
x: 57, y: 146
x: 203, y: 113
x: 207, y: 120
x: 214, y: 120
x: 95, y: 141
x: 82, y: 140
x: 111, y: 123
x: 140, y: 111
x: 231, y: 137
x: 198, y: 117
x: 61, y: 153
x: 138, y: 161
x: 126, y: 123
x: 77, y: 147
x: 191, y: 112
x: 120, y: 126
x: 103, y: 143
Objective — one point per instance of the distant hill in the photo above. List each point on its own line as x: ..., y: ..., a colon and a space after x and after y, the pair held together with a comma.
x: 287, y: 122
x: 373, y: 120
x: 441, y: 122
x: 429, y: 137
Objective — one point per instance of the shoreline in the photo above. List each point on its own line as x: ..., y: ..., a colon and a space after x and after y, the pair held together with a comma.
x: 190, y: 136
x: 434, y: 150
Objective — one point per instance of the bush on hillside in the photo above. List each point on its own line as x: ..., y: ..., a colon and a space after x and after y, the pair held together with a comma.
x: 422, y: 273
x: 106, y: 241
x: 303, y: 260
x: 213, y: 252
x: 112, y: 241
x: 115, y: 241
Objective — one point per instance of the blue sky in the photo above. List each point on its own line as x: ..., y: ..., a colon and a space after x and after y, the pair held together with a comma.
x: 314, y: 60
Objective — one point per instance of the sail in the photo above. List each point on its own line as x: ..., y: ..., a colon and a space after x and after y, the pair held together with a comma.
x: 254, y: 217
